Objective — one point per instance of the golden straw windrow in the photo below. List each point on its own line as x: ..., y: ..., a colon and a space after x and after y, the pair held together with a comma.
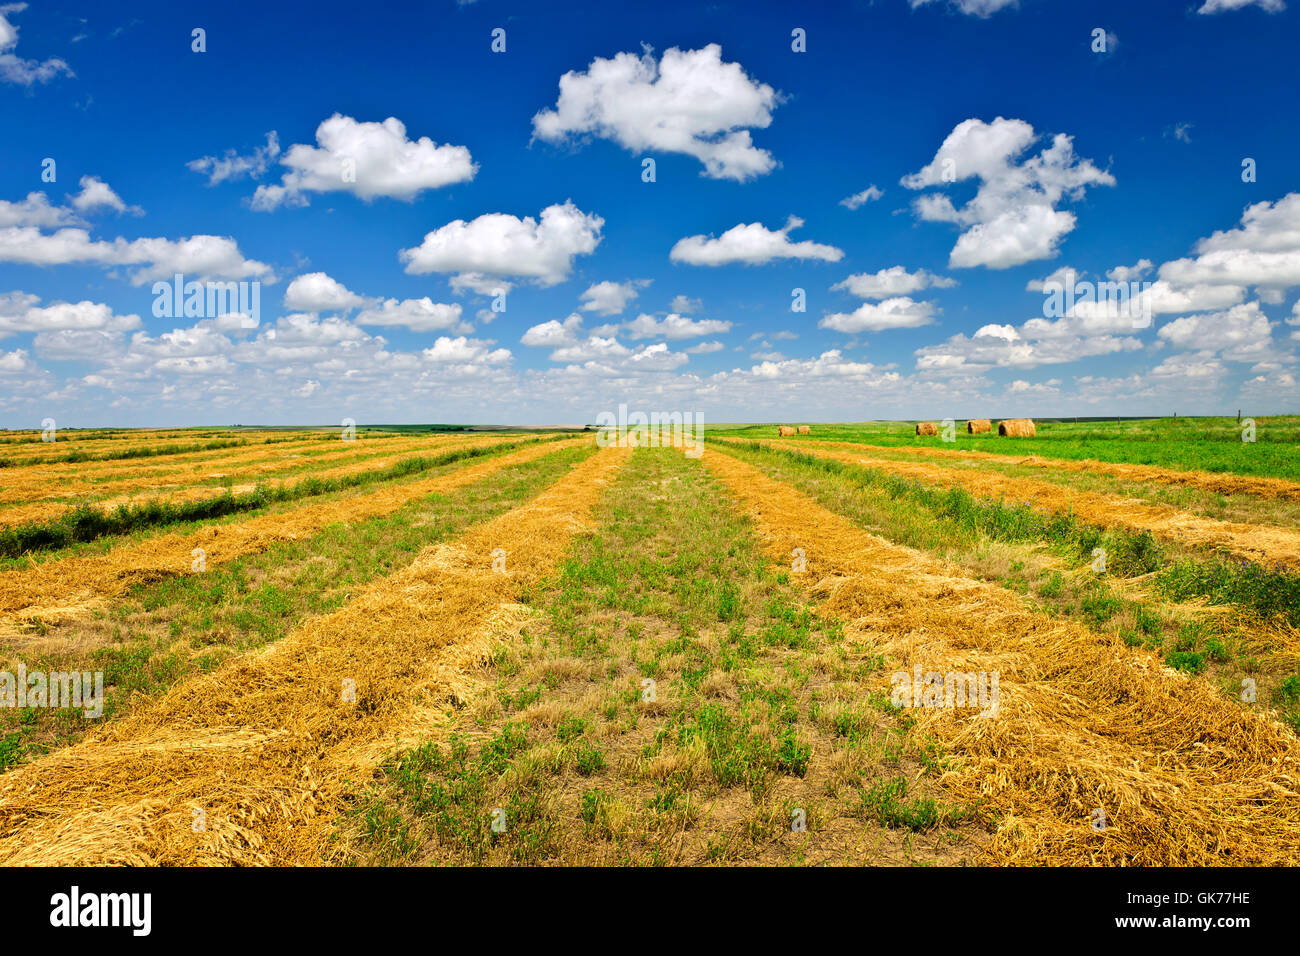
x: 32, y: 436
x: 63, y: 442
x: 19, y: 484
x: 1224, y: 484
x: 215, y: 485
x: 62, y: 588
x: 1263, y: 543
x: 174, y: 489
x: 1084, y: 728
x: 33, y: 477
x: 51, y: 452
x: 113, y: 466
x: 264, y: 748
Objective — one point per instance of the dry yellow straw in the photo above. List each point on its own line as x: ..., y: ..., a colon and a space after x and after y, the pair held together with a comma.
x: 250, y: 764
x: 176, y: 488
x: 1253, y: 541
x: 1183, y: 775
x: 59, y: 588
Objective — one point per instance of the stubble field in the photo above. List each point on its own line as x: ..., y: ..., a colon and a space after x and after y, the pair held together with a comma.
x: 507, y: 647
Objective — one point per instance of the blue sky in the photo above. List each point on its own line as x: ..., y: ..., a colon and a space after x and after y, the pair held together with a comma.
x: 1003, y: 144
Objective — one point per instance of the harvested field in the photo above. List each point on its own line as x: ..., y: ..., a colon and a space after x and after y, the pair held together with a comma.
x: 1209, y: 481
x: 558, y: 732
x: 1257, y: 543
x: 55, y: 453
x: 264, y: 746
x: 196, y: 482
x: 62, y: 587
x: 1183, y: 776
x: 640, y: 656
x: 47, y: 477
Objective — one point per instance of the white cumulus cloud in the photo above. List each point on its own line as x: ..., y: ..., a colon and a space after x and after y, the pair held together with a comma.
x: 318, y: 292
x: 365, y: 159
x: 752, y: 244
x: 198, y: 257
x: 19, y: 313
x: 498, y: 244
x: 1241, y: 334
x: 900, y: 312
x: 97, y: 194
x: 1264, y: 251
x: 611, y: 298
x: 554, y: 334
x: 688, y: 102
x: 15, y: 69
x: 418, y: 315
x: 894, y: 281
x: 673, y: 326
x: 35, y: 210
x: 1013, y: 217
x: 465, y: 351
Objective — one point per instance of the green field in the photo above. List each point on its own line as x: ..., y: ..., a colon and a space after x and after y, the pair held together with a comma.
x: 1191, y: 444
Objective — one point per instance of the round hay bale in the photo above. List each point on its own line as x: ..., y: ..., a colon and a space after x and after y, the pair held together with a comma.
x: 1017, y: 428
x: 783, y: 430
x: 805, y: 430
x: 927, y: 428
x: 978, y: 426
